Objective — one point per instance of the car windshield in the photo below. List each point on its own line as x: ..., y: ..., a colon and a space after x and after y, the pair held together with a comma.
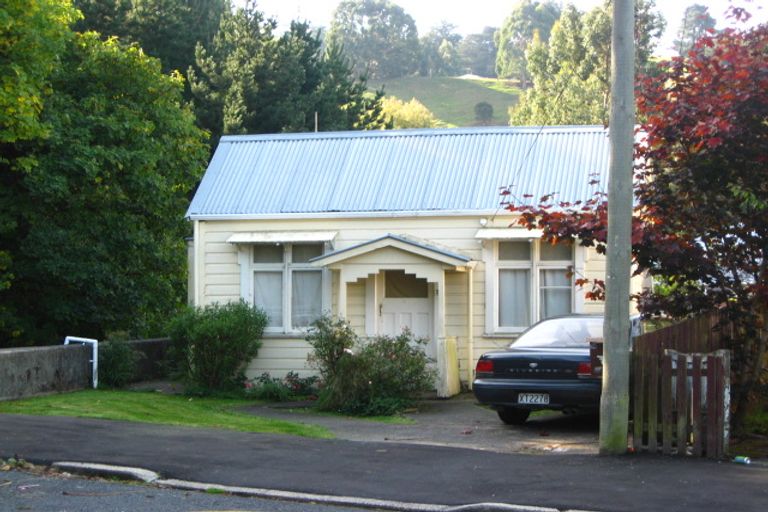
x: 567, y: 332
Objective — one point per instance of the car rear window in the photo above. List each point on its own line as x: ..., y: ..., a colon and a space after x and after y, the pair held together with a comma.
x: 571, y: 332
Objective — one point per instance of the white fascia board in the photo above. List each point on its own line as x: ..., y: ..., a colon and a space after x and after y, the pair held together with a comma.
x: 256, y: 237
x: 353, y: 252
x: 349, y: 215
x: 508, y: 234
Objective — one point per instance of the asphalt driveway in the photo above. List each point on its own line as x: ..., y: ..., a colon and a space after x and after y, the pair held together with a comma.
x: 460, y: 423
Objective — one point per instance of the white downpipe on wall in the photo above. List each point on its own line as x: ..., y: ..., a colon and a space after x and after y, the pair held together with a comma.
x: 94, y: 354
x: 198, y: 257
x: 470, y: 327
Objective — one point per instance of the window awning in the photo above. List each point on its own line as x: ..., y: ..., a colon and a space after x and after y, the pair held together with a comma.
x: 262, y: 237
x: 508, y: 234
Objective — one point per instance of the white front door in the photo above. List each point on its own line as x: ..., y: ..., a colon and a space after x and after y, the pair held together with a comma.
x: 407, y: 302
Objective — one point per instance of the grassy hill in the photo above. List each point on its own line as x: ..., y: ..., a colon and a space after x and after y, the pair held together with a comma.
x: 453, y: 100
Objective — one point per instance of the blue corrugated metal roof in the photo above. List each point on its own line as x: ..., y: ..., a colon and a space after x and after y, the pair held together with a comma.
x: 398, y: 171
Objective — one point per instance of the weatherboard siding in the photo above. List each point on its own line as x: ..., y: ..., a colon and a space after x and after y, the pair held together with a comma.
x: 356, y: 306
x: 278, y: 356
x: 219, y: 278
x: 594, y: 268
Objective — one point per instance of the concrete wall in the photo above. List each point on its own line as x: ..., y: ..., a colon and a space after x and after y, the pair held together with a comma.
x: 38, y: 370
x: 31, y: 371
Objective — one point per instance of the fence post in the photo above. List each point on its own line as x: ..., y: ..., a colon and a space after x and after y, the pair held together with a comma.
x: 639, y: 394
x: 682, y: 403
x: 726, y: 418
x: 696, y: 412
x: 666, y: 402
x: 653, y: 401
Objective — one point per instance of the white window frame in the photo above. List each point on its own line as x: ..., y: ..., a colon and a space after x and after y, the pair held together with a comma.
x: 535, y: 266
x: 248, y: 269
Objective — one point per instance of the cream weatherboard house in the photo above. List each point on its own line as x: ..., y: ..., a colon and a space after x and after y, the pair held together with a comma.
x: 393, y: 229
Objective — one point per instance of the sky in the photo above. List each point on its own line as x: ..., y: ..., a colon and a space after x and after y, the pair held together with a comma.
x: 470, y: 16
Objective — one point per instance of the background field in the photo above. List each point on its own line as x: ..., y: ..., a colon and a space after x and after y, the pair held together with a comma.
x: 453, y: 100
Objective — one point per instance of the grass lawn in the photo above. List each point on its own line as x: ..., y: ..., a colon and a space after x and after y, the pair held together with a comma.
x: 150, y: 407
x: 453, y: 100
x: 503, y: 86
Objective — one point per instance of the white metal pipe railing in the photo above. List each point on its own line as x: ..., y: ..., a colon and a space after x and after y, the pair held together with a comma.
x: 94, y: 355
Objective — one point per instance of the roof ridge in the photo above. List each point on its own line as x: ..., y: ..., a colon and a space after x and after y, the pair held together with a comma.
x: 413, y: 132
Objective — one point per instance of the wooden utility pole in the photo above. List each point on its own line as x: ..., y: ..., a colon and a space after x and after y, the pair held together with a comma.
x: 614, y: 404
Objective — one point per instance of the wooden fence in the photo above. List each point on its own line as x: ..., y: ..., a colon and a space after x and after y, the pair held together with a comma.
x: 681, y: 389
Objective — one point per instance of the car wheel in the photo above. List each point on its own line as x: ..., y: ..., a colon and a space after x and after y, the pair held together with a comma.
x: 513, y: 416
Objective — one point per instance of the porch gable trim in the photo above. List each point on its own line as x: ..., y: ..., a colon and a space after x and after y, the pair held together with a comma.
x: 401, y: 242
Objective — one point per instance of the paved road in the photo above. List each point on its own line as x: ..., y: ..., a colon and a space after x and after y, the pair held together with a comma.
x: 392, y: 471
x: 22, y: 491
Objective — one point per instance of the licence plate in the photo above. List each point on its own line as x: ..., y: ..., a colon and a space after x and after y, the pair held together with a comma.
x: 533, y: 398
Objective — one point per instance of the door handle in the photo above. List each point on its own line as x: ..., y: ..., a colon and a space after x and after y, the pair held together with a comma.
x: 380, y: 306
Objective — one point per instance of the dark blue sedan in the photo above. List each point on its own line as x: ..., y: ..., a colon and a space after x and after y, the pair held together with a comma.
x: 547, y: 367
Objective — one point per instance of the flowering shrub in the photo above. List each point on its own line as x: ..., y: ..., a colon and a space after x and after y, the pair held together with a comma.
x: 330, y: 340
x: 382, y: 376
x: 302, y: 386
x: 275, y: 389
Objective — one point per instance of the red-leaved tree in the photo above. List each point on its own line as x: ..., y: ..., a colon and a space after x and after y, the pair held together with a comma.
x: 701, y: 216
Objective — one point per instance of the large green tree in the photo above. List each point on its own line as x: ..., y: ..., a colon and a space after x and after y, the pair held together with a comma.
x: 477, y: 53
x: 107, y: 17
x: 166, y: 29
x: 571, y: 71
x: 440, y: 51
x: 697, y: 22
x: 98, y: 241
x: 528, y: 18
x: 32, y: 35
x: 249, y: 81
x: 378, y: 36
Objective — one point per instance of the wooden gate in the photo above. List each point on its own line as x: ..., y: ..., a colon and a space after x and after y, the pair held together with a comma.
x: 683, y: 408
x: 681, y: 390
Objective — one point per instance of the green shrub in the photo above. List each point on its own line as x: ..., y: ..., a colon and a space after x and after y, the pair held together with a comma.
x: 179, y: 330
x: 483, y: 112
x: 383, y: 377
x: 118, y: 361
x: 400, y: 365
x: 210, y: 346
x: 330, y: 339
